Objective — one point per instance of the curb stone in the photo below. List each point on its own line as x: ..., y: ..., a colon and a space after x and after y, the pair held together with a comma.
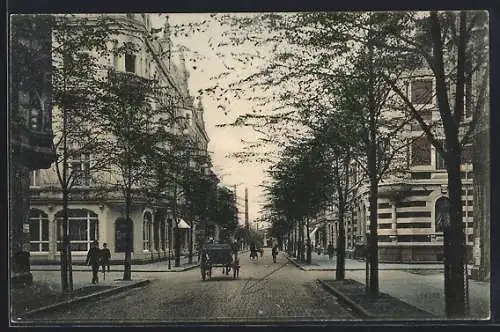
x: 356, y: 307
x: 295, y: 263
x: 367, y: 314
x: 110, y: 291
x: 317, y: 268
x: 133, y: 270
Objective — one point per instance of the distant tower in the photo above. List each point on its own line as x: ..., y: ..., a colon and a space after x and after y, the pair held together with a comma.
x: 246, y: 208
x: 166, y: 41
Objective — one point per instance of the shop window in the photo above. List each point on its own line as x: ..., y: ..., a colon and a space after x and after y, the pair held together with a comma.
x: 147, y: 226
x: 83, y: 229
x: 162, y: 233
x: 39, y: 231
x: 156, y: 235
x: 124, y: 234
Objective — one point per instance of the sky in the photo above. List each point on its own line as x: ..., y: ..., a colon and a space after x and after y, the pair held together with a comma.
x: 202, y: 64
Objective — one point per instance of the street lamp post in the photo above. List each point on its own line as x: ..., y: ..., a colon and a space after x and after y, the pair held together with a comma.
x: 169, y: 242
x: 206, y: 173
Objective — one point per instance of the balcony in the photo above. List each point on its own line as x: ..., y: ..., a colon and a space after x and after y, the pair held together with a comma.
x: 33, y: 149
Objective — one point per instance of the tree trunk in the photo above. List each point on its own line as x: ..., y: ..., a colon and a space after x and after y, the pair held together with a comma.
x: 373, y: 176
x: 67, y: 243
x: 454, y: 239
x: 308, y: 246
x: 190, y: 261
x: 177, y: 243
x: 481, y: 202
x: 340, y: 269
x: 18, y: 217
x: 373, y: 243
x: 127, y: 264
x: 301, y: 242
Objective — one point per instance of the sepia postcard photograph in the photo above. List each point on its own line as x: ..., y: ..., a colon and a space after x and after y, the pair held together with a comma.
x: 248, y: 167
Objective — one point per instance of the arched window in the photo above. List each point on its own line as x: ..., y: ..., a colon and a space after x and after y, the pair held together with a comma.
x: 124, y: 230
x: 162, y: 233
x: 39, y: 231
x: 156, y: 235
x: 147, y: 225
x: 83, y: 228
x: 442, y: 213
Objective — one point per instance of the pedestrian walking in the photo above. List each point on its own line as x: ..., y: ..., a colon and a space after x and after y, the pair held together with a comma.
x: 275, y: 252
x: 105, y: 257
x: 93, y: 260
x: 330, y: 251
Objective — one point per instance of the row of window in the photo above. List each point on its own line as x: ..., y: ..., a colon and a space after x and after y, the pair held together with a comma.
x: 419, y: 214
x: 421, y: 151
x: 416, y: 225
x: 83, y: 227
x: 414, y: 238
x: 79, y: 168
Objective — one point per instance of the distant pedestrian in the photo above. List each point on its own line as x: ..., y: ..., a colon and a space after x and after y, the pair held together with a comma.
x: 105, y: 257
x: 330, y: 251
x: 93, y: 260
x: 275, y: 252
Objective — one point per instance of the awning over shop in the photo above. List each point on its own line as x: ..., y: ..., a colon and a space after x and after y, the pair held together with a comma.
x: 183, y: 224
x: 314, y: 230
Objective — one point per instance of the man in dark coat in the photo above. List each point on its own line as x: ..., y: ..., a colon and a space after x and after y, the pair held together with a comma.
x: 105, y: 257
x: 93, y: 259
x: 330, y: 251
x: 274, y: 252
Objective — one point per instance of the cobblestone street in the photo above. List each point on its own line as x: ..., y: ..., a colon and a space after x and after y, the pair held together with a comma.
x: 264, y: 292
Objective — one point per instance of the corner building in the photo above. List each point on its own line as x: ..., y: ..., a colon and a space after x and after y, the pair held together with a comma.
x: 95, y: 210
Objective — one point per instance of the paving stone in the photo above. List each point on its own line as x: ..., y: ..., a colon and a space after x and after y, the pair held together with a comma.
x: 264, y: 292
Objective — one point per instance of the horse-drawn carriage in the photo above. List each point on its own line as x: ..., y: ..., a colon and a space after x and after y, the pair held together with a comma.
x: 218, y: 255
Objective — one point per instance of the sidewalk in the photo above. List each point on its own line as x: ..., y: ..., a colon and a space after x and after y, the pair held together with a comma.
x: 420, y: 286
x: 43, y: 296
x: 378, y: 307
x: 323, y: 263
x: 161, y: 266
x: 45, y: 293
